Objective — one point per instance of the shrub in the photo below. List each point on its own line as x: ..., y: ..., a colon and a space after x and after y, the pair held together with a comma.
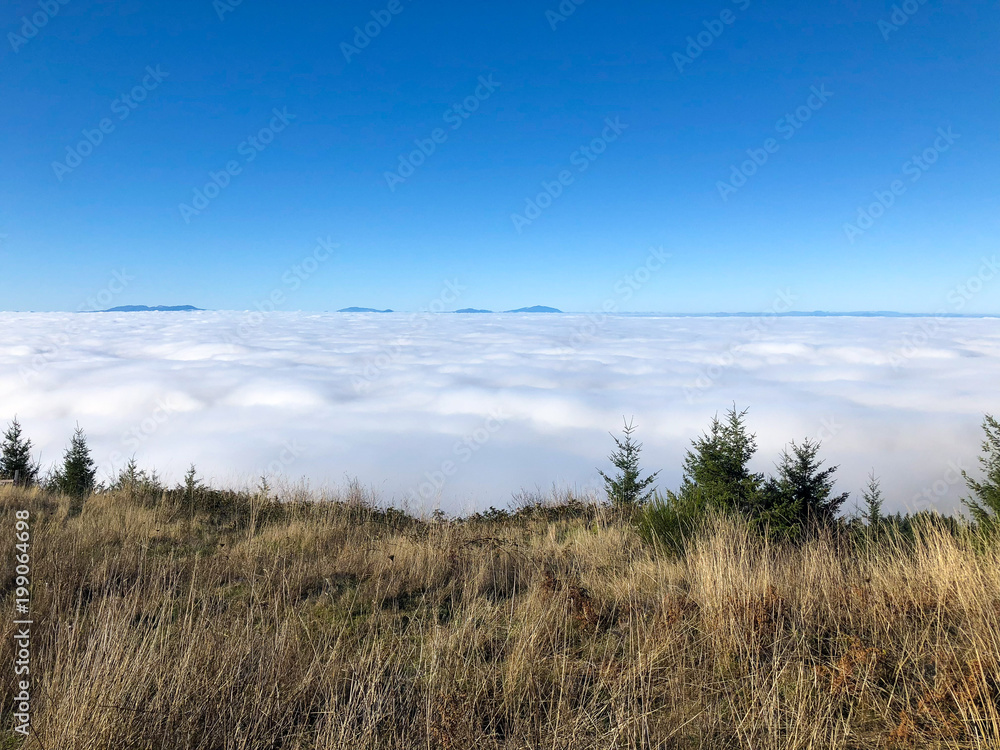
x: 672, y: 520
x: 137, y: 483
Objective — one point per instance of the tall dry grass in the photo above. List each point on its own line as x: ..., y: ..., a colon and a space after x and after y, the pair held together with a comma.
x: 327, y: 626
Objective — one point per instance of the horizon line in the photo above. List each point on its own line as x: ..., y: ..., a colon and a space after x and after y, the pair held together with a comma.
x: 659, y: 313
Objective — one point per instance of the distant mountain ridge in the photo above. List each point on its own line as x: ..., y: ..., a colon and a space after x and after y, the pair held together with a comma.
x: 545, y: 309
x: 157, y: 308
x: 535, y: 309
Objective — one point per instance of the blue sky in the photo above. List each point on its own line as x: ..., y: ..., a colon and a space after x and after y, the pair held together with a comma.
x: 211, y: 78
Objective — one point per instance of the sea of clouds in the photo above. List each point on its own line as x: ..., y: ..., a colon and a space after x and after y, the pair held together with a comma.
x: 462, y: 411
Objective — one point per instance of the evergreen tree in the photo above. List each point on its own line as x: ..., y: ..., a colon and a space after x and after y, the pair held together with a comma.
x: 807, y: 490
x: 76, y: 477
x: 627, y: 489
x: 872, y: 496
x: 716, y: 469
x: 191, y: 483
x: 779, y: 508
x: 136, y: 482
x: 15, y: 456
x: 985, y: 505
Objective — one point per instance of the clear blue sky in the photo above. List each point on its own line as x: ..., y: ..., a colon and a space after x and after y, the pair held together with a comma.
x: 65, y: 231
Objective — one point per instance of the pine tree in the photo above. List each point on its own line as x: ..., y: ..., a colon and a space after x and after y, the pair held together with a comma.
x: 872, y: 496
x: 627, y: 489
x: 808, y: 490
x: 15, y: 456
x: 985, y: 505
x: 136, y: 482
x: 76, y: 478
x: 717, y: 468
x: 191, y: 483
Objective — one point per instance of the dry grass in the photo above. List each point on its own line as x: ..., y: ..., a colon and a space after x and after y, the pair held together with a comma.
x: 322, y: 626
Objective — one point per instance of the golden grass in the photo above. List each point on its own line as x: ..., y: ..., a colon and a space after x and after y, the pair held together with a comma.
x: 324, y: 628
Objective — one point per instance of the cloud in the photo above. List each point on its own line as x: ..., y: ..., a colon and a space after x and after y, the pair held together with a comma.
x: 406, y: 402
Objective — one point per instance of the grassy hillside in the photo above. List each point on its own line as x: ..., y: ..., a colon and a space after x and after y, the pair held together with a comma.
x: 229, y: 621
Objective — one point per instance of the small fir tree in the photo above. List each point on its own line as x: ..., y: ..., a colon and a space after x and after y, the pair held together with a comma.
x: 717, y: 471
x: 15, y: 456
x: 872, y: 495
x: 808, y: 489
x: 76, y: 477
x: 627, y: 489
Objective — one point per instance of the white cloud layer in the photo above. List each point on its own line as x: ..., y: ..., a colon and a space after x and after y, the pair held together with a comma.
x: 470, y: 408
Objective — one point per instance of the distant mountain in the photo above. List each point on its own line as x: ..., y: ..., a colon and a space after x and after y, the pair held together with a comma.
x: 363, y: 309
x: 472, y: 310
x: 158, y: 308
x: 536, y: 309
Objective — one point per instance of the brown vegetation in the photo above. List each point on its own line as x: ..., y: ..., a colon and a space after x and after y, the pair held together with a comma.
x: 160, y: 624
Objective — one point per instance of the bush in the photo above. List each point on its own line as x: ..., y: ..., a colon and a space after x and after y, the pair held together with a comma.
x: 137, y: 483
x: 672, y: 521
